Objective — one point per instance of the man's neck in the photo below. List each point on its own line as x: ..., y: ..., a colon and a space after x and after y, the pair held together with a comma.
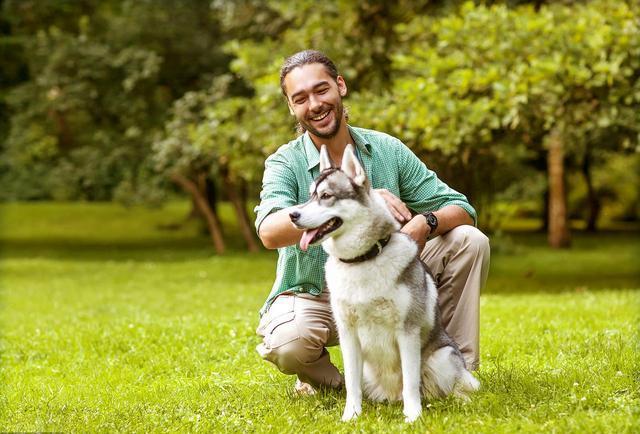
x: 336, y: 144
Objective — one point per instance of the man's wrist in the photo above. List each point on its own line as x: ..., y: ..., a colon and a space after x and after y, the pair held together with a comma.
x: 431, y: 221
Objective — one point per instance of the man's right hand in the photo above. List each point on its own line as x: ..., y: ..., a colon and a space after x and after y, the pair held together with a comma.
x: 395, y: 205
x: 276, y: 230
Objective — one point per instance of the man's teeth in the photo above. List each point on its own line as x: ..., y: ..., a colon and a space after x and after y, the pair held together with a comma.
x: 320, y: 117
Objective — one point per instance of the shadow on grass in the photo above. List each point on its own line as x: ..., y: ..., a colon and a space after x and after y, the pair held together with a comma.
x: 143, y: 250
x: 605, y: 260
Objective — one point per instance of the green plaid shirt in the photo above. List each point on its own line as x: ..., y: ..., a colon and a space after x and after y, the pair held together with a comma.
x: 388, y: 163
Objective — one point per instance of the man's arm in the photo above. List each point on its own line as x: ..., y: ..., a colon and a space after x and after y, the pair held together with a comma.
x: 422, y: 191
x: 420, y: 188
x: 277, y: 230
x: 448, y: 217
x: 278, y: 197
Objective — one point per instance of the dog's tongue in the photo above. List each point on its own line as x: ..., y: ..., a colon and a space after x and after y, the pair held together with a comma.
x: 307, y: 236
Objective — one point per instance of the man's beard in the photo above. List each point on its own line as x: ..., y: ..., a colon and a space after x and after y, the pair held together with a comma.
x: 339, y: 110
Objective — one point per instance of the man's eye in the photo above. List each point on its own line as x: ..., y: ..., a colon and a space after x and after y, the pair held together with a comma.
x: 299, y: 101
x: 321, y: 91
x: 325, y: 196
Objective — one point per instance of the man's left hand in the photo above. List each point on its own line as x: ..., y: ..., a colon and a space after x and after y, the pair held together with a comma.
x: 418, y: 229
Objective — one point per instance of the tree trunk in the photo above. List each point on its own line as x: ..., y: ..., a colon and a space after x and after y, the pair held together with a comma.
x: 558, y: 235
x: 208, y: 189
x: 593, y: 202
x: 240, y: 208
x: 203, y: 207
x: 545, y: 211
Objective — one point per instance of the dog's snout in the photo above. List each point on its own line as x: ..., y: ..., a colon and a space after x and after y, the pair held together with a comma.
x: 294, y: 216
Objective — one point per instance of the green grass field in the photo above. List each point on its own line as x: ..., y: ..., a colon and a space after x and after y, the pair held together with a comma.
x: 111, y: 323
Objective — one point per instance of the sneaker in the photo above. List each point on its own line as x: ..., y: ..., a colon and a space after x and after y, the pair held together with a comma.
x: 304, y: 389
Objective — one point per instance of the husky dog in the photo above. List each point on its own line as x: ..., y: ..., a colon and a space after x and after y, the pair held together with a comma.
x: 383, y: 298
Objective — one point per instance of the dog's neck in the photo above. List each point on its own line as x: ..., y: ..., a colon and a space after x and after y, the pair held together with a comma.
x: 375, y: 223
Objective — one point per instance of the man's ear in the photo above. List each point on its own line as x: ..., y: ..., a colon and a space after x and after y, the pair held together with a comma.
x: 342, y: 86
x: 352, y: 167
x: 290, y: 108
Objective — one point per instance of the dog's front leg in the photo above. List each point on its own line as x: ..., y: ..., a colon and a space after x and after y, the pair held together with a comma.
x: 409, y: 345
x: 352, y: 357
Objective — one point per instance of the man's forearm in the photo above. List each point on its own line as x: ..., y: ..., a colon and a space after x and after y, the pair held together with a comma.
x: 277, y: 230
x: 449, y: 217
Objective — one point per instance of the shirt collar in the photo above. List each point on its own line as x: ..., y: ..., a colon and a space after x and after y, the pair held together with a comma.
x: 313, y: 155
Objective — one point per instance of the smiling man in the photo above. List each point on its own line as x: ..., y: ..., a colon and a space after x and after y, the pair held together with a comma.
x: 296, y: 323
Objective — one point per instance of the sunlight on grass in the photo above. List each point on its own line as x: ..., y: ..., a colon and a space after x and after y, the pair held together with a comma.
x: 111, y: 322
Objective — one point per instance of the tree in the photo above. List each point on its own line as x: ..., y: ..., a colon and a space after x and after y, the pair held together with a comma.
x: 563, y: 75
x: 101, y: 78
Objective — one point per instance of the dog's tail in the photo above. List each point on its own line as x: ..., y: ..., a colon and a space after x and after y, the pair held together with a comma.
x: 468, y: 383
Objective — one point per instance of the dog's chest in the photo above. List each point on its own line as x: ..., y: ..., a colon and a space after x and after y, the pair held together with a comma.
x: 379, y: 311
x: 367, y: 297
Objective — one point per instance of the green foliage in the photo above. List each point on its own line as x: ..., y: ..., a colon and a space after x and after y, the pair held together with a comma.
x: 84, y: 117
x: 473, y: 91
x: 103, y: 75
x: 115, y: 89
x: 487, y: 84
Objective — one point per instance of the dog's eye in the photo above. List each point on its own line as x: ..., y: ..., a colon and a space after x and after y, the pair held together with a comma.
x: 325, y: 196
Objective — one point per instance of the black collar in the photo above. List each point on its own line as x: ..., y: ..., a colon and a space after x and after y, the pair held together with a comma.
x: 374, y: 251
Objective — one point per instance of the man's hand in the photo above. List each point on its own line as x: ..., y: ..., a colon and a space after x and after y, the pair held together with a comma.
x: 418, y: 229
x: 395, y: 205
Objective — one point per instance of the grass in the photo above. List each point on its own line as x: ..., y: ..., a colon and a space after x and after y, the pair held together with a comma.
x: 110, y: 323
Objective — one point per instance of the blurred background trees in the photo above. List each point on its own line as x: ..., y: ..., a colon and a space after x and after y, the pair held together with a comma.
x: 532, y: 109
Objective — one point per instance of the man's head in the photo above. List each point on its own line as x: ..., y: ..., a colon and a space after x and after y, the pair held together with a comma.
x: 314, y: 91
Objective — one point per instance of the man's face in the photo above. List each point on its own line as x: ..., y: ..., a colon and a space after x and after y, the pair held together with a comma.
x: 315, y: 99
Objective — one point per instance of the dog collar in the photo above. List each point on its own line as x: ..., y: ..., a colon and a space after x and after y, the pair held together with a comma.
x: 374, y: 251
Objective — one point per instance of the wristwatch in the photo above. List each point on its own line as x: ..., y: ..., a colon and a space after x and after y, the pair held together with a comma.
x: 432, y: 221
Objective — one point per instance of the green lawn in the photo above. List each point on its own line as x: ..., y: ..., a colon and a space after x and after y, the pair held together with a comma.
x: 111, y: 323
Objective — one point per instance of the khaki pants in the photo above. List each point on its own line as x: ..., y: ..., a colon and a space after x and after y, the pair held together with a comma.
x: 297, y: 328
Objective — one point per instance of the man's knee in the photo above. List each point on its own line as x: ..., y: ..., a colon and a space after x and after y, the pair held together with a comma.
x: 290, y: 347
x: 470, y: 237
x: 289, y: 357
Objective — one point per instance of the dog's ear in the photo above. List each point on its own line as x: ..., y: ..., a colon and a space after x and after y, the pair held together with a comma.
x: 325, y: 160
x: 352, y: 167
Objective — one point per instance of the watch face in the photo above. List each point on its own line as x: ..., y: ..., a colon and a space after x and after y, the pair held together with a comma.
x: 432, y: 220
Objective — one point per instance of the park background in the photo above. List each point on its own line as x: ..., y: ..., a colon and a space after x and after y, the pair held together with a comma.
x: 132, y: 143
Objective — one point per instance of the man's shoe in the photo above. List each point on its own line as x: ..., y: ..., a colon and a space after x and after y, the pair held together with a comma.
x: 304, y: 389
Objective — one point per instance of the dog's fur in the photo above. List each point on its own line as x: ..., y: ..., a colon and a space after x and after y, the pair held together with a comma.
x: 386, y: 308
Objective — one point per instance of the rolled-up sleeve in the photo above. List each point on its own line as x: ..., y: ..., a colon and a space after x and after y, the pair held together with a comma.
x: 279, y: 188
x: 421, y: 189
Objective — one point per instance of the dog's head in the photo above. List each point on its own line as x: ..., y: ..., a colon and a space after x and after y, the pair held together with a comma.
x: 337, y: 197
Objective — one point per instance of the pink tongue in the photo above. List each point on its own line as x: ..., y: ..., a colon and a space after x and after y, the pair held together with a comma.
x: 307, y: 236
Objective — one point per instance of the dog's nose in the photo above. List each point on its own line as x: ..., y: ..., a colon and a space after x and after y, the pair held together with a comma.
x: 294, y: 216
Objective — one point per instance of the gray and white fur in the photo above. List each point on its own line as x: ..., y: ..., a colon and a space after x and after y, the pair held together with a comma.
x: 386, y: 308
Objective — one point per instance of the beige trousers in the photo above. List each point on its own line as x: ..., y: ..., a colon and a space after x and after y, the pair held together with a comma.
x: 297, y: 328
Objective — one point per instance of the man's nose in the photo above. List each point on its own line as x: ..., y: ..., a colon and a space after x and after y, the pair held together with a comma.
x: 294, y: 216
x: 314, y: 103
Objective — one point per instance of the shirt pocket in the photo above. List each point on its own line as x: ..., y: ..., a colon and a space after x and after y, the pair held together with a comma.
x: 278, y: 326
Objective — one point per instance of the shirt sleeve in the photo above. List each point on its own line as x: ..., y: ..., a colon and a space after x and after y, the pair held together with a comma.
x: 421, y: 189
x: 279, y: 188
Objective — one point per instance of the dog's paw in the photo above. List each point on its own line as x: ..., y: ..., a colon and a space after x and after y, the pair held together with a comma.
x: 350, y: 413
x: 412, y: 412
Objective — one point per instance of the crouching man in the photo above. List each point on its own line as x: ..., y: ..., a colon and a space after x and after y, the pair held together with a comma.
x: 296, y: 323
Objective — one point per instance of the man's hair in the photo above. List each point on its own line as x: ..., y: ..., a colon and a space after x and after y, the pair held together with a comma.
x: 306, y: 57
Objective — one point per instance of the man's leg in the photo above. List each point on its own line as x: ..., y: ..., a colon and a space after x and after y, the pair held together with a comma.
x: 459, y: 261
x: 295, y: 331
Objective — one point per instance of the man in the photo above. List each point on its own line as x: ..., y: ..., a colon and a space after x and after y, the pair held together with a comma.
x: 296, y: 322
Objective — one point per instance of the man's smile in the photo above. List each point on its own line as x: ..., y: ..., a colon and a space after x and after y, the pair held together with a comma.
x: 321, y: 116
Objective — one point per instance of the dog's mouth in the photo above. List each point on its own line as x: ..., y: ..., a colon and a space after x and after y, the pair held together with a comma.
x: 311, y: 236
